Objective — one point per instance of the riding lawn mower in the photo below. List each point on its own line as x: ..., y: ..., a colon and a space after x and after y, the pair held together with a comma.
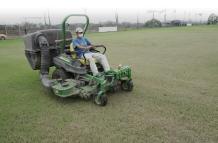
x: 72, y: 75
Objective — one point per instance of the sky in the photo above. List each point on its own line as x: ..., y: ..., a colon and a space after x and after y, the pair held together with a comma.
x: 19, y: 11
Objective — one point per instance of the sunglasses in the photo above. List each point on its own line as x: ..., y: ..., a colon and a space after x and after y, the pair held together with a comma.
x: 79, y: 32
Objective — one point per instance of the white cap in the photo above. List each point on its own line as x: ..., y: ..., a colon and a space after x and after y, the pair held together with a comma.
x: 79, y: 29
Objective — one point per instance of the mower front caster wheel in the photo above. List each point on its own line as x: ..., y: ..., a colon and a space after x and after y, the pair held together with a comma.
x: 127, y: 85
x: 101, y: 100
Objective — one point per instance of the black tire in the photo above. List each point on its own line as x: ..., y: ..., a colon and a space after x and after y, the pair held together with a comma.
x: 114, y: 89
x: 2, y: 38
x: 102, y: 101
x: 100, y: 67
x: 60, y: 74
x: 127, y: 85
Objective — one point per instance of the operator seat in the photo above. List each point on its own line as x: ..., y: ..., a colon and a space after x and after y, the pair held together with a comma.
x: 82, y: 60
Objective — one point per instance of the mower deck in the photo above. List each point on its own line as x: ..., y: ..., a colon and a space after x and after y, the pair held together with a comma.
x: 95, y: 85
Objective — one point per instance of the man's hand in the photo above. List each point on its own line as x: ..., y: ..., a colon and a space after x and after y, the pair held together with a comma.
x: 90, y: 47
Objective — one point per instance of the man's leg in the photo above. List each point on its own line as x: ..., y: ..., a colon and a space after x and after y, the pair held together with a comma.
x: 92, y: 64
x: 102, y: 59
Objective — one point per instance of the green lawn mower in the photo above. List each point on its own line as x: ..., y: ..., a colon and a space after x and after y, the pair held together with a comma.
x: 72, y: 75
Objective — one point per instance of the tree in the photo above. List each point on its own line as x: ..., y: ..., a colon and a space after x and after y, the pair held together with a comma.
x: 153, y: 23
x: 212, y: 19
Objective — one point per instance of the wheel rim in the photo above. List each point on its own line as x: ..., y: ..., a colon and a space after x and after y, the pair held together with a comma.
x: 100, y: 100
x: 127, y: 85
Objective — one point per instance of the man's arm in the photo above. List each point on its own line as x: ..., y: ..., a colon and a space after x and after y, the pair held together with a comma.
x: 76, y: 44
x: 89, y: 44
x: 82, y: 47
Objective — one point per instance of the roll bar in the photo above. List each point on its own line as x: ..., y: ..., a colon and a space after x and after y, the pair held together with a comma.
x: 64, y: 27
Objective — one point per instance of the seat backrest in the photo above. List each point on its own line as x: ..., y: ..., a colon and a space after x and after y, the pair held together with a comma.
x: 72, y: 50
x: 71, y: 47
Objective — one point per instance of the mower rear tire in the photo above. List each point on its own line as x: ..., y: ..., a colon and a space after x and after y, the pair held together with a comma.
x: 2, y: 38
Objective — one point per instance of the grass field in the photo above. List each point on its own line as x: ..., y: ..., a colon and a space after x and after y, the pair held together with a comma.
x: 175, y: 98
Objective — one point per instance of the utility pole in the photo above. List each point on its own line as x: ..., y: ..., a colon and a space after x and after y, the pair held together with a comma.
x: 19, y: 32
x: 6, y: 31
x: 200, y: 14
x: 158, y: 12
x: 117, y: 19
x: 137, y: 26
x: 165, y: 16
x: 45, y: 21
x: 153, y: 13
x: 29, y: 24
x: 49, y: 19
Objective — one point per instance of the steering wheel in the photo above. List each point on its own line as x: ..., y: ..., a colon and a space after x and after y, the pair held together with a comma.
x: 96, y: 51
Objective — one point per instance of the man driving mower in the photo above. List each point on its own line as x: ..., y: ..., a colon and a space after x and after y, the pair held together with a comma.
x: 82, y: 47
x: 75, y: 72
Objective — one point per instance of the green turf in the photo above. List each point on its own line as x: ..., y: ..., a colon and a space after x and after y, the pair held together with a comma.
x: 175, y: 71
